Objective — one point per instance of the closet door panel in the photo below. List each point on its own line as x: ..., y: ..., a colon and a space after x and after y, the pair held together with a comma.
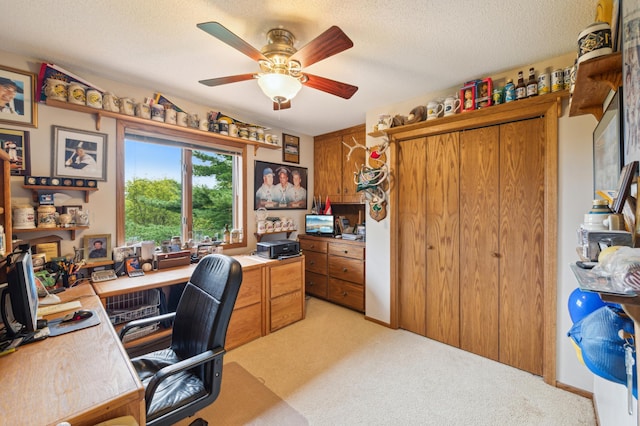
x: 522, y: 165
x: 442, y: 238
x: 479, y: 246
x: 412, y: 193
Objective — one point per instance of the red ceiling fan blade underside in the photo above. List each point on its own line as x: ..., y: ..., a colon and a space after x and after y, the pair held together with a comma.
x: 221, y: 33
x: 327, y: 44
x: 333, y: 87
x: 229, y: 79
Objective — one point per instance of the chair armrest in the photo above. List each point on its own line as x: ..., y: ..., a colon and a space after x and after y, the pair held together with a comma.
x: 144, y: 321
x: 185, y: 364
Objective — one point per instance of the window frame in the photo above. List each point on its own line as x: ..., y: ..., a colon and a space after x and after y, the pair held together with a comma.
x: 196, y: 137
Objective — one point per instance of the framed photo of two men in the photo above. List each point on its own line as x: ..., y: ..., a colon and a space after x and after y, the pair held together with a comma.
x: 279, y: 186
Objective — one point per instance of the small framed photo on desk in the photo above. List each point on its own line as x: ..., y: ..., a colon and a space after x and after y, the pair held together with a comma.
x: 97, y: 247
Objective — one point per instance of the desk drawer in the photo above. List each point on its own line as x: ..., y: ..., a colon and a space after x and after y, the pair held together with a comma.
x: 346, y: 294
x: 315, y: 262
x: 286, y: 310
x: 316, y: 284
x: 285, y: 278
x: 245, y: 325
x: 250, y: 289
x: 313, y: 245
x: 347, y: 250
x: 347, y: 269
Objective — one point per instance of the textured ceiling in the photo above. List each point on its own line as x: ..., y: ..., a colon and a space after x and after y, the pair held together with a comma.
x: 401, y: 48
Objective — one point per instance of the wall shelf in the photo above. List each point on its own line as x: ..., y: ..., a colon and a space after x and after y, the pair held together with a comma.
x: 35, y: 188
x: 594, y: 80
x: 99, y: 113
x: 481, y: 116
x: 72, y: 230
x: 259, y: 236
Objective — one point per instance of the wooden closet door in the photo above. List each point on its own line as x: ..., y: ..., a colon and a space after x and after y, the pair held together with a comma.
x: 412, y: 194
x: 327, y: 179
x: 443, y: 239
x: 479, y: 247
x: 522, y: 172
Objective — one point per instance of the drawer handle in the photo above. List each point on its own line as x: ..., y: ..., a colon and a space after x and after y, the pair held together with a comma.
x: 345, y: 294
x: 346, y: 251
x: 344, y: 269
x: 313, y: 246
x: 311, y: 283
x: 312, y: 262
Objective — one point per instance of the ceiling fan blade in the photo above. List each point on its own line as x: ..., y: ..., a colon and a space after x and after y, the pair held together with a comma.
x: 223, y: 34
x: 225, y: 80
x: 281, y: 105
x: 337, y: 88
x: 325, y: 45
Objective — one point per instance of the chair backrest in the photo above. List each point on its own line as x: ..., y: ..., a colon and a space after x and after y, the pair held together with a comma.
x: 206, y: 304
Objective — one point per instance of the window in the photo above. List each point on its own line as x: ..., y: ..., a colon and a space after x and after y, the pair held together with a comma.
x: 175, y: 183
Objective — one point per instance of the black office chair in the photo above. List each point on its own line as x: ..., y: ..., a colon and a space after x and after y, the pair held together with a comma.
x: 186, y: 377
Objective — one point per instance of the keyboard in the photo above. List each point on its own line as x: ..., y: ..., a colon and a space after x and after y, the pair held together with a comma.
x: 60, y: 307
x: 104, y: 275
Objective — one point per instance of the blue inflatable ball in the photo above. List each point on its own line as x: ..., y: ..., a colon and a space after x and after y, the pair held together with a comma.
x: 582, y: 303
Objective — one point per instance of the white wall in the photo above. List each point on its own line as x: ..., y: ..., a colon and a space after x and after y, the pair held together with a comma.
x: 575, y: 195
x: 102, y: 202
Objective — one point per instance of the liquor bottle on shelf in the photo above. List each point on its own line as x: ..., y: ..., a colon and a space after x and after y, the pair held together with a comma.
x: 532, y: 84
x: 521, y: 88
x: 226, y: 239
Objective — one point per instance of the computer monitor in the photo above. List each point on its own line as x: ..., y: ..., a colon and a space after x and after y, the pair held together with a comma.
x: 20, y: 299
x: 319, y: 224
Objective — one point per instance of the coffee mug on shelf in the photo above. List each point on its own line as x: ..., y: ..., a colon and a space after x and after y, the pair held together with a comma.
x: 451, y: 105
x: 76, y: 93
x: 94, y: 98
x: 56, y: 89
x: 434, y: 109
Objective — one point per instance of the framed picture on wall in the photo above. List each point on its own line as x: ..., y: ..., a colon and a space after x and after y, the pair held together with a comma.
x: 631, y: 78
x: 290, y: 148
x: 18, y: 90
x: 16, y: 144
x: 607, y: 146
x: 279, y: 186
x: 79, y: 153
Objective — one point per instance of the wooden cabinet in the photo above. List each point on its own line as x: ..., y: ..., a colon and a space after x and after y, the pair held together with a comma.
x: 333, y: 171
x: 335, y: 270
x: 246, y: 320
x: 286, y: 293
x: 476, y: 198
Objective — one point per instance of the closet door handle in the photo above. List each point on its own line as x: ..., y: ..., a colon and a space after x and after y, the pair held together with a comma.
x: 496, y: 255
x: 430, y: 247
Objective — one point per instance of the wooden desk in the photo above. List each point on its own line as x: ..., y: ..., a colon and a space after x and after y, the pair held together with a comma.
x: 83, y: 377
x: 271, y: 296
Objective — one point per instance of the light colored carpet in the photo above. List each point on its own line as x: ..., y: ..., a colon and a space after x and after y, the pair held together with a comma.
x: 244, y: 400
x: 336, y: 368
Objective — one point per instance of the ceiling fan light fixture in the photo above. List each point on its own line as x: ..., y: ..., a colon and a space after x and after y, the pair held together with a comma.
x: 279, y: 87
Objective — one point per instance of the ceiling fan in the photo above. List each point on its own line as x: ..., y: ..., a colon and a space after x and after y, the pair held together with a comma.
x: 281, y: 75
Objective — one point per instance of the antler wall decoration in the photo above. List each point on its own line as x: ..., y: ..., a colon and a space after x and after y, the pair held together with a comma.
x: 372, y: 178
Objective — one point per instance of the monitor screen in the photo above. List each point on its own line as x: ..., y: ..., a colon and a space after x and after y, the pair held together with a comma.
x: 319, y: 224
x: 23, y: 291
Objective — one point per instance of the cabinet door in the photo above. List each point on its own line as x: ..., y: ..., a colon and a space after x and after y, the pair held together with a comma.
x: 522, y: 172
x: 479, y: 249
x: 351, y: 165
x: 442, y: 238
x: 412, y: 193
x: 327, y: 170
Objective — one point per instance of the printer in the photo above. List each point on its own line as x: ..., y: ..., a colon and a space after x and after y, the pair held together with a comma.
x: 278, y: 249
